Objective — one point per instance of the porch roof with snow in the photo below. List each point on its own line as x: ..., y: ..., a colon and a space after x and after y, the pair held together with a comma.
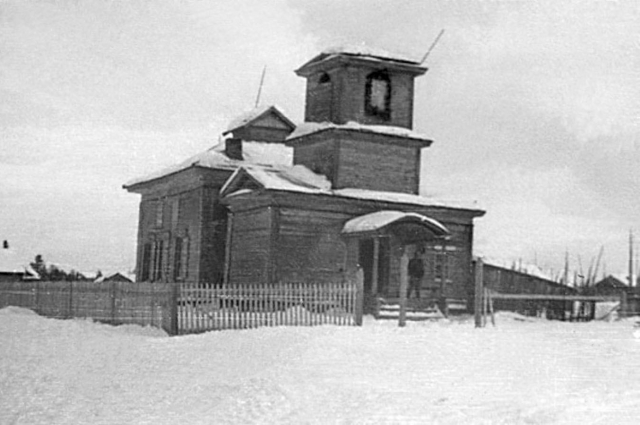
x: 299, y: 179
x: 381, y: 220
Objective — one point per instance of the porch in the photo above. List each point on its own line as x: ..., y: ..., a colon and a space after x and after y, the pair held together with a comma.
x: 382, y: 244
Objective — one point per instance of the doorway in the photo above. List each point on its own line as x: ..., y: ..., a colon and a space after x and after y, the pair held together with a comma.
x: 367, y: 260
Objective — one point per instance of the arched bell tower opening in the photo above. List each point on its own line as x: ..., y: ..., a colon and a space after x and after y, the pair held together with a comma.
x: 377, y: 96
x: 346, y: 85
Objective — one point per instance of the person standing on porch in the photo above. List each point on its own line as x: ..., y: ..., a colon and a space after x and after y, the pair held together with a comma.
x: 416, y: 271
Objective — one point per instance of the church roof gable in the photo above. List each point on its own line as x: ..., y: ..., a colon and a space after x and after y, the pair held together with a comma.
x: 263, y: 116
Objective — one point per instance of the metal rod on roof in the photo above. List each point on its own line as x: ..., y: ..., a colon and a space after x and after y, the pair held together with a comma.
x: 424, y: 58
x: 264, y: 71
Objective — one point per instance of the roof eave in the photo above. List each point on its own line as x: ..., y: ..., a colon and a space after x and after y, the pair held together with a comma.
x: 333, y: 60
x: 422, y: 143
x: 133, y: 188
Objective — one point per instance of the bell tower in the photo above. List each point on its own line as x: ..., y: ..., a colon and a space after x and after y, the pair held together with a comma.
x: 359, y: 119
x: 360, y: 85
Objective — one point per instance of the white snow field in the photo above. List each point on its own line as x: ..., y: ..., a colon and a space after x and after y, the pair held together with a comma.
x: 523, y: 371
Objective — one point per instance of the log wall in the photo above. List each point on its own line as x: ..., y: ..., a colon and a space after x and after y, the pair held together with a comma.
x: 250, y: 243
x: 378, y: 166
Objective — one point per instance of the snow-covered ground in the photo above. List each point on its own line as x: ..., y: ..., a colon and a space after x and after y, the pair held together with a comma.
x: 522, y: 371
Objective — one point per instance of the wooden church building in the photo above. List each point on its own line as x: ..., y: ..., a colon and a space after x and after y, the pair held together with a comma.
x: 278, y: 202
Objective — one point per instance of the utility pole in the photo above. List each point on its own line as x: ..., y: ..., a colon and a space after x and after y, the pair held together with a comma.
x: 632, y: 271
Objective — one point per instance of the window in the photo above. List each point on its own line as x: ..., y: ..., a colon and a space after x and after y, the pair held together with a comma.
x: 441, y: 269
x: 146, y: 262
x: 159, y: 213
x: 324, y: 78
x: 175, y: 212
x: 181, y: 258
x: 177, y: 259
x: 378, y: 95
x: 157, y: 265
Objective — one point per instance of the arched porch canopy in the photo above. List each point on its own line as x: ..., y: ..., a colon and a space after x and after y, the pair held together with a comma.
x: 409, y: 226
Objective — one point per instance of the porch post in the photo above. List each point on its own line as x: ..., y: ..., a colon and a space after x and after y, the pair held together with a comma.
x: 479, y: 289
x: 404, y: 260
x: 374, y: 272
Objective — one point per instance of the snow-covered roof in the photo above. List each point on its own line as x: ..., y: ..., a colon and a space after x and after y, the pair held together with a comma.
x: 405, y: 198
x: 119, y: 276
x: 307, y: 128
x: 11, y: 262
x: 302, y: 180
x: 253, y: 153
x: 297, y: 178
x: 361, y: 54
x: 519, y: 266
x: 367, y: 51
x: 622, y: 279
x: 381, y: 219
x: 254, y: 114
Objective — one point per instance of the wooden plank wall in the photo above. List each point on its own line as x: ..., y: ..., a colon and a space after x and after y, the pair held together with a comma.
x: 310, y: 246
x: 378, y: 166
x: 250, y: 246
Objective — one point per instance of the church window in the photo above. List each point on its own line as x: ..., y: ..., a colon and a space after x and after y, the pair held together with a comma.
x: 159, y: 213
x: 146, y: 262
x: 158, y: 261
x: 324, y: 78
x: 378, y: 95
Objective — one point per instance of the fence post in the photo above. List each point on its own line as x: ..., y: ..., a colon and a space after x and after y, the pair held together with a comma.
x: 70, y: 312
x: 359, y: 295
x: 36, y: 306
x: 113, y: 302
x: 477, y: 305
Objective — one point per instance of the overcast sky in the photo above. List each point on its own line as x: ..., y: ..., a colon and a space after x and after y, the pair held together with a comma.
x: 534, y: 108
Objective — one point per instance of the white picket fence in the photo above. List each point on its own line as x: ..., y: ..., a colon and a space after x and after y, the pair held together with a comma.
x: 202, y: 308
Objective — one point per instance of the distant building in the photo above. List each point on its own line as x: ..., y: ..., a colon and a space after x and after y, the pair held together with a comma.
x: 12, y: 267
x: 520, y: 278
x: 114, y: 277
x: 613, y: 284
x: 285, y: 203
